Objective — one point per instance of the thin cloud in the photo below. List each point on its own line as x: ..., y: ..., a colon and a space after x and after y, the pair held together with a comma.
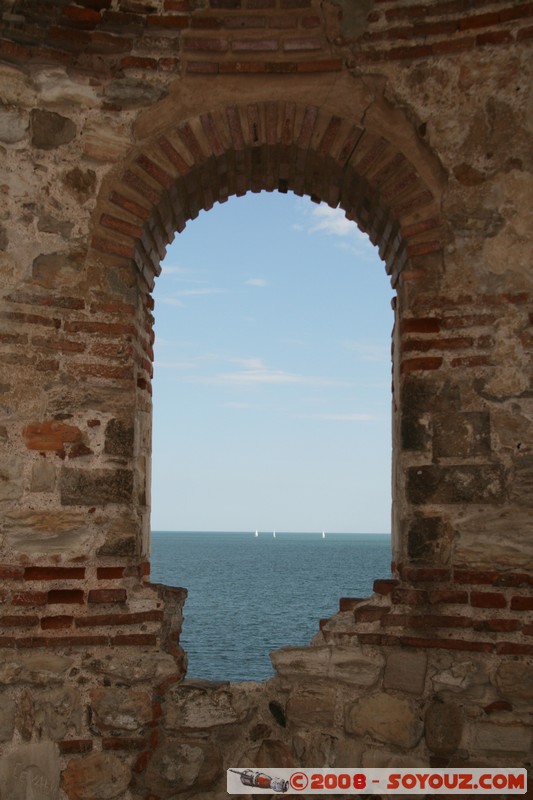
x: 174, y: 365
x: 258, y: 376
x: 332, y: 221
x: 369, y: 351
x: 340, y: 417
x: 259, y: 282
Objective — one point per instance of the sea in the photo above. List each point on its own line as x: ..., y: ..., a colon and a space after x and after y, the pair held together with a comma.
x: 250, y: 595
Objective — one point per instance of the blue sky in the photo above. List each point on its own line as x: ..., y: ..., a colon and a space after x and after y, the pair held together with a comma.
x: 272, y: 373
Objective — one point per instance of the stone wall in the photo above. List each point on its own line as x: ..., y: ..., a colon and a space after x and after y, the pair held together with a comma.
x: 119, y: 121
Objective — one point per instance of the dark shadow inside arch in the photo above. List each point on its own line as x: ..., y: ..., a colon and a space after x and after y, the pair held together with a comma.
x: 271, y: 413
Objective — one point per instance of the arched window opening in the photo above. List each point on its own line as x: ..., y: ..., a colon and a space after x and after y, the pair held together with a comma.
x: 271, y: 413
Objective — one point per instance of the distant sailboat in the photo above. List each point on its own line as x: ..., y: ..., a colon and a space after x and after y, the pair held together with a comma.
x: 323, y: 534
x: 256, y: 534
x: 274, y: 535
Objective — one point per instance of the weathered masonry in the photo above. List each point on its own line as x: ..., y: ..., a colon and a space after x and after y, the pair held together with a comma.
x: 119, y: 121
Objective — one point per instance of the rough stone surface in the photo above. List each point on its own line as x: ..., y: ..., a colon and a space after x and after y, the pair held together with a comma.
x: 7, y: 717
x: 385, y: 717
x: 515, y: 681
x: 31, y: 770
x: 181, y: 764
x: 50, y: 130
x: 405, y: 671
x: 57, y: 712
x: 34, y: 669
x: 98, y: 487
x: 121, y: 709
x: 499, y: 739
x: 100, y: 776
x: 191, y: 708
x: 340, y: 663
x: 443, y: 728
x: 313, y: 706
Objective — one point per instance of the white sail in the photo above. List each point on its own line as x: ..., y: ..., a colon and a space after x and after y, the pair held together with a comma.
x: 257, y: 533
x: 274, y: 535
x: 323, y: 534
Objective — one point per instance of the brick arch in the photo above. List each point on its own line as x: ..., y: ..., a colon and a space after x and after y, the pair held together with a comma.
x: 268, y: 146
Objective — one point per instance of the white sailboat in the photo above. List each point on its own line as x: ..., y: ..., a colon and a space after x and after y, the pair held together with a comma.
x: 323, y: 534
x: 256, y: 534
x: 274, y: 535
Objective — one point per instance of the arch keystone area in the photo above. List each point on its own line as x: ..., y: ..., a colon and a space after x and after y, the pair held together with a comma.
x: 120, y: 121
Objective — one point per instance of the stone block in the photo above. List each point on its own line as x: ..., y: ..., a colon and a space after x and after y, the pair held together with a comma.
x: 43, y: 476
x: 50, y: 130
x: 59, y: 269
x: 7, y: 717
x: 50, y: 435
x: 11, y: 487
x: 270, y: 751
x: 189, y: 707
x: 31, y: 771
x: 387, y: 718
x: 57, y: 711
x: 502, y: 536
x: 343, y: 663
x: 47, y: 532
x: 120, y: 709
x: 461, y: 435
x: 125, y: 667
x: 119, y: 438
x: 38, y: 670
x: 443, y: 728
x: 405, y: 671
x: 95, y: 487
x: 498, y: 739
x: 425, y: 537
x: 14, y: 123
x: 515, y: 681
x: 312, y: 706
x: 99, y: 776
x: 522, y: 483
x: 181, y: 764
x: 17, y: 88
x: 471, y: 483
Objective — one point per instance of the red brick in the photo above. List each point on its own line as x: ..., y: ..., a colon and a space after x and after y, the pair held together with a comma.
x: 412, y: 597
x: 169, y: 22
x: 479, y: 21
x: 105, y: 328
x: 59, y: 596
x: 494, y: 37
x: 148, y: 193
x: 107, y: 596
x: 384, y: 586
x: 496, y: 625
x: 370, y: 613
x: 514, y: 649
x: 154, y: 171
x: 449, y: 596
x: 203, y: 67
x: 323, y: 65
x: 127, y: 745
x: 422, y: 325
x: 453, y: 45
x: 31, y: 319
x: 57, y: 345
x: 50, y: 435
x: 420, y: 364
x: 84, y: 15
x: 138, y: 62
x: 487, y: 600
x: 204, y: 44
x: 56, y: 301
x: 107, y: 620
x: 30, y: 599
x: 447, y: 644
x: 54, y: 573
x: 302, y: 45
x: 520, y: 603
x: 134, y: 640
x: 114, y: 247
x: 475, y: 576
x: 120, y: 225
x: 58, y: 642
x: 422, y: 345
x: 349, y: 603
x: 55, y: 623
x: 75, y: 746
x: 129, y: 205
x: 525, y: 33
x: 9, y: 573
x: 254, y: 45
x: 498, y: 705
x: 109, y: 573
x: 378, y: 638
x: 7, y: 641
x: 14, y: 621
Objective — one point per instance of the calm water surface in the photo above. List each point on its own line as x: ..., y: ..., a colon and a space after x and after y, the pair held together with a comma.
x: 248, y: 596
